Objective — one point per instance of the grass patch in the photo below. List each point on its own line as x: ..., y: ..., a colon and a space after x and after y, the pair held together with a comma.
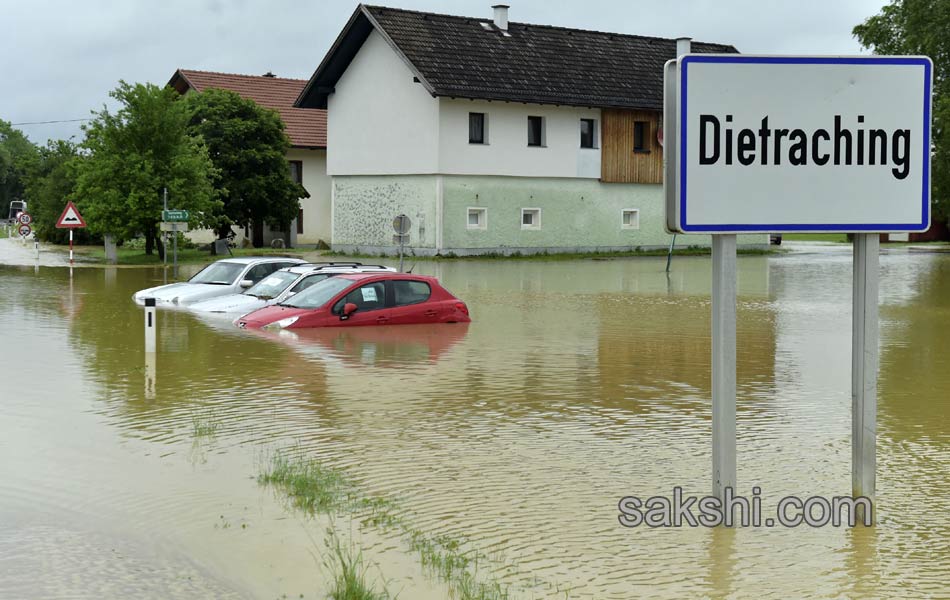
x: 203, y: 426
x: 348, y: 573
x: 839, y: 238
x: 316, y: 488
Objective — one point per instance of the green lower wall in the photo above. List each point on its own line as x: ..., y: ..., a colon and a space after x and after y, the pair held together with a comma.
x: 576, y: 214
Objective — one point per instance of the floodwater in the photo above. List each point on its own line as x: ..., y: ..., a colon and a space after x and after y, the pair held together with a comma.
x: 578, y: 383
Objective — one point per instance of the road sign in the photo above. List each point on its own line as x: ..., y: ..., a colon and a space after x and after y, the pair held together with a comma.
x: 173, y: 226
x: 786, y: 144
x: 70, y: 219
x: 401, y: 239
x: 24, y: 219
x: 24, y: 230
x: 175, y: 215
x: 401, y: 224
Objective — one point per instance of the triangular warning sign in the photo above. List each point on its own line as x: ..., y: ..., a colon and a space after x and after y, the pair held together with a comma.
x: 70, y: 218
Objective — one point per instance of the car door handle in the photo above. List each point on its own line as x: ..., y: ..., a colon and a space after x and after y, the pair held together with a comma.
x: 430, y: 313
x: 382, y: 320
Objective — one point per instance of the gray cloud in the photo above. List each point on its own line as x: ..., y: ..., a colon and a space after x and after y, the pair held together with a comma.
x: 60, y: 59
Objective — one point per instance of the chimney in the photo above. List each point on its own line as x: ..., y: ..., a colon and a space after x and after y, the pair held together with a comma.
x: 683, y: 46
x: 501, y: 16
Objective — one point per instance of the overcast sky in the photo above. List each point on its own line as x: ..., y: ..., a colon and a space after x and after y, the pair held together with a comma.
x: 59, y: 59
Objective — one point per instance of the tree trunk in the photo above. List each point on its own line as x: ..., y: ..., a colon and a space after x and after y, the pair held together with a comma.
x: 258, y: 234
x: 149, y: 240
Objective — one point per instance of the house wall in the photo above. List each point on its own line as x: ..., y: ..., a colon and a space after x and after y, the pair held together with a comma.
x: 620, y: 162
x: 317, y: 224
x: 364, y: 208
x: 380, y: 122
x: 576, y: 215
x: 506, y: 151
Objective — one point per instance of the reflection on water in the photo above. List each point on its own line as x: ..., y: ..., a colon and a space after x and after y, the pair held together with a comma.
x: 578, y: 382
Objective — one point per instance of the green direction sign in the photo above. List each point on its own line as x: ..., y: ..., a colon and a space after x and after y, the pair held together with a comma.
x: 175, y: 215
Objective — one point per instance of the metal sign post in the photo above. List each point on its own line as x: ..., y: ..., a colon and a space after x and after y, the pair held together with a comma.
x: 864, y: 365
x: 70, y: 219
x: 401, y: 225
x: 174, y: 227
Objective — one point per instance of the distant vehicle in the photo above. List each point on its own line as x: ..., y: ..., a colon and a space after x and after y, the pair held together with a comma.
x: 775, y: 239
x: 221, y: 278
x: 363, y: 299
x: 16, y: 207
x: 281, y: 285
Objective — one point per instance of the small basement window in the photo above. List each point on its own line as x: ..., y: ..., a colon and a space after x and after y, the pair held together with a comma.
x: 476, y: 128
x: 477, y: 218
x: 640, y: 131
x: 588, y: 133
x: 531, y: 218
x: 630, y: 218
x: 536, y: 131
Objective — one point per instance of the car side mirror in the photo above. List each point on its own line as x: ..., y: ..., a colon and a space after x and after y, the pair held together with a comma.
x: 348, y: 309
x: 246, y: 283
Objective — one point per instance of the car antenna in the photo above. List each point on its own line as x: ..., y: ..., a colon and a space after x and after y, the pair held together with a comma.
x: 411, y: 268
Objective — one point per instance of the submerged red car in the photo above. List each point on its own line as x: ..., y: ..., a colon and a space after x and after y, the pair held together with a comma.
x: 363, y: 299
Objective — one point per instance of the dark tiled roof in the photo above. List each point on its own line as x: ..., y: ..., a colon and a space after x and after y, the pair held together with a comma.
x: 306, y: 128
x: 460, y: 57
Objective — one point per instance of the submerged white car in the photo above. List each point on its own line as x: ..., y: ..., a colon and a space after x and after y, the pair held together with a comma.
x: 280, y: 286
x: 221, y: 278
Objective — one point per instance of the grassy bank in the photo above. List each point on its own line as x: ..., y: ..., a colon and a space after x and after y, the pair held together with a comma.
x: 556, y: 256
x: 839, y: 238
x: 316, y: 488
x: 186, y: 256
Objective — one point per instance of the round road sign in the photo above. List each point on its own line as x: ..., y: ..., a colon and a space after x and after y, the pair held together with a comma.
x: 401, y: 224
x: 24, y: 230
x: 24, y: 219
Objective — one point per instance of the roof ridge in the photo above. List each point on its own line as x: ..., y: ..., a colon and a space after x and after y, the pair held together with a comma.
x: 245, y: 75
x: 539, y: 25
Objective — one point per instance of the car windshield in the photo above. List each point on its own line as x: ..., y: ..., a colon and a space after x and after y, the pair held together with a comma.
x: 319, y: 294
x: 272, y: 285
x: 219, y: 273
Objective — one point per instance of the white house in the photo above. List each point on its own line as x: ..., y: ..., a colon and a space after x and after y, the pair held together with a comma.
x: 307, y: 157
x: 493, y: 136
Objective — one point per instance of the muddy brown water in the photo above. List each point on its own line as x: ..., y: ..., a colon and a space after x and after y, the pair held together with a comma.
x: 578, y: 382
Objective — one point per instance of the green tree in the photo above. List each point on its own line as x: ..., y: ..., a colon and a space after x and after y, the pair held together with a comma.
x: 133, y: 155
x: 920, y: 27
x: 17, y: 155
x: 248, y: 145
x: 50, y: 183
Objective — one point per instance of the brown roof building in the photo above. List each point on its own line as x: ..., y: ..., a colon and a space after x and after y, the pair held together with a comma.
x: 306, y: 128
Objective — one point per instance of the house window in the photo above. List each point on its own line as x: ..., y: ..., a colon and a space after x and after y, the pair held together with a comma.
x: 477, y: 218
x: 296, y: 171
x: 536, y: 131
x: 300, y: 221
x: 630, y: 218
x: 476, y: 128
x: 531, y: 218
x: 588, y: 133
x: 640, y: 131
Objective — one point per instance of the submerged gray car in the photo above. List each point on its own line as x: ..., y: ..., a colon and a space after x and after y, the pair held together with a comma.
x: 221, y: 278
x: 279, y: 286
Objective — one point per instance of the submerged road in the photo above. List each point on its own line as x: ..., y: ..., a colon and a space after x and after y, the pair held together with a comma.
x: 15, y: 253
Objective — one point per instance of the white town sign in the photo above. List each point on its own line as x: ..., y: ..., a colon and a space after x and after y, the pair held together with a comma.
x: 785, y: 144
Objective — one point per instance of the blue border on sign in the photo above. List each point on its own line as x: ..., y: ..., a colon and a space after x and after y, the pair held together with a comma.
x: 815, y: 60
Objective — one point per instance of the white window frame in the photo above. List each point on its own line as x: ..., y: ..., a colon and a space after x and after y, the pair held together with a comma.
x: 544, y: 135
x: 594, y: 133
x: 624, y: 212
x: 534, y: 226
x: 482, y: 220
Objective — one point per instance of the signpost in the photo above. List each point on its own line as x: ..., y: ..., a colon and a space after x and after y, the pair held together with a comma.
x: 70, y: 219
x: 25, y: 219
x: 180, y: 216
x: 174, y: 227
x: 24, y: 230
x: 781, y: 144
x: 401, y: 225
